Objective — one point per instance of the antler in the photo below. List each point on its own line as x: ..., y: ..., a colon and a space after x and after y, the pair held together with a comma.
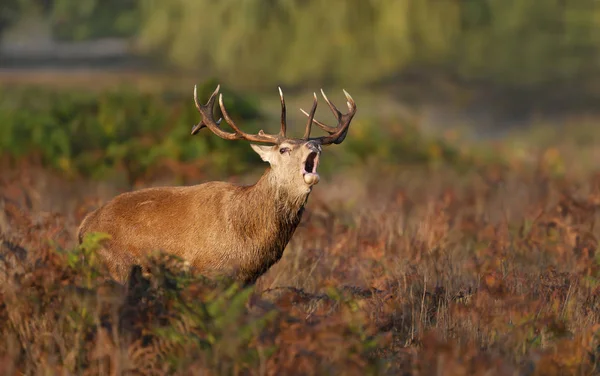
x: 208, y: 121
x: 283, y: 116
x: 310, y: 117
x: 336, y: 134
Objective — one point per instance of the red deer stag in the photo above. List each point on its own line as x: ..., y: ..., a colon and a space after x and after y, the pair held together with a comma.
x: 218, y: 228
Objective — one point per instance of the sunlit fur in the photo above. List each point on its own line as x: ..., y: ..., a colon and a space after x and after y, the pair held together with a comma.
x: 219, y: 228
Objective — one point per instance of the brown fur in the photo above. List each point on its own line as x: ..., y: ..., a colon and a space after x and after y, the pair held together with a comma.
x: 219, y: 228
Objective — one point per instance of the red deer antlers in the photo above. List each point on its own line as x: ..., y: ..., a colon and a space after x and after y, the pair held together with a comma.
x: 336, y: 135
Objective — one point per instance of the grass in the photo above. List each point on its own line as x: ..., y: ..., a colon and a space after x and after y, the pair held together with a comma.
x: 392, y: 271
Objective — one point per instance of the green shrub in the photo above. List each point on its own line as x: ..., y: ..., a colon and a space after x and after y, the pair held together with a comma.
x: 103, y: 135
x: 89, y: 134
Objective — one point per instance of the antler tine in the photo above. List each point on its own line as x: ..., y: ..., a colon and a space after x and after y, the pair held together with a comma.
x: 334, y: 109
x: 206, y: 111
x: 208, y: 121
x: 324, y: 127
x: 260, y: 137
x: 336, y: 134
x: 350, y: 102
x: 310, y: 117
x: 227, y: 117
x: 283, y: 115
x: 336, y: 112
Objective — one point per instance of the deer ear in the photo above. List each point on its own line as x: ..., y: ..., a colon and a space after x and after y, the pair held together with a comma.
x: 264, y: 151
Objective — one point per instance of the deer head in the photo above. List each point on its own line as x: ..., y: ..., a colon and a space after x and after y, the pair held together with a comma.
x: 293, y: 161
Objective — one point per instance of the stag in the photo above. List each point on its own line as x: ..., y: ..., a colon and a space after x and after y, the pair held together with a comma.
x: 219, y: 228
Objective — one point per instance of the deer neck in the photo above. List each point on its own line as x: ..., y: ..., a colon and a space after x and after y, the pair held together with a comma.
x: 267, y: 208
x: 282, y: 200
x: 264, y: 216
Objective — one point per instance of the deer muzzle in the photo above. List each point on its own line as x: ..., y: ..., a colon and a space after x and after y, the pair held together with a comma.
x: 311, y: 177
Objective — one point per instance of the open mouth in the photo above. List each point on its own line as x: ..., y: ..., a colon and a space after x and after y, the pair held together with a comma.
x: 310, y: 169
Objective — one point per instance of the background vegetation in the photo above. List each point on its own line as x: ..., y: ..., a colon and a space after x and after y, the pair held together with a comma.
x: 516, y: 42
x: 135, y: 135
x: 513, y: 43
x: 97, y: 134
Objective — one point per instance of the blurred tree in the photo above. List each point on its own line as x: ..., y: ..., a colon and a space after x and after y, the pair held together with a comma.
x: 475, y: 13
x: 527, y: 42
x: 9, y: 14
x: 88, y: 19
x: 76, y: 20
x: 510, y: 42
x: 281, y: 41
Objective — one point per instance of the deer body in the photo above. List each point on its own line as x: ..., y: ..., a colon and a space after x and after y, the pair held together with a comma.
x: 221, y: 233
x: 217, y: 227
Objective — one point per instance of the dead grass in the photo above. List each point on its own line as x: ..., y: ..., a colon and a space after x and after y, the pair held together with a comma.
x: 400, y: 271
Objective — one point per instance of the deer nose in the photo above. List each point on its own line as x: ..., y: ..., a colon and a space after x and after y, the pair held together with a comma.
x: 313, y: 147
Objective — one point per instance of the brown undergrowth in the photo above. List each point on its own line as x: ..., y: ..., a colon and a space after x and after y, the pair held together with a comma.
x: 424, y: 272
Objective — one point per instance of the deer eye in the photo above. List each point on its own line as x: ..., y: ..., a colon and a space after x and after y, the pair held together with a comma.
x: 284, y: 150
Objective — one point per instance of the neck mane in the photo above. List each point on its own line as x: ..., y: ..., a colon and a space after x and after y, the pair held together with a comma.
x: 276, y: 195
x: 267, y: 208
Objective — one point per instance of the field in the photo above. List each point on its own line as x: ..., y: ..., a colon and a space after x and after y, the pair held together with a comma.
x: 416, y: 255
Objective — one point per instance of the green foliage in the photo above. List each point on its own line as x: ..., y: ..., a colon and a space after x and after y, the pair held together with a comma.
x: 103, y: 135
x: 84, y: 258
x: 514, y: 42
x: 224, y: 331
x: 89, y: 19
x: 207, y: 318
x: 9, y: 13
x: 76, y: 20
x: 91, y: 134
